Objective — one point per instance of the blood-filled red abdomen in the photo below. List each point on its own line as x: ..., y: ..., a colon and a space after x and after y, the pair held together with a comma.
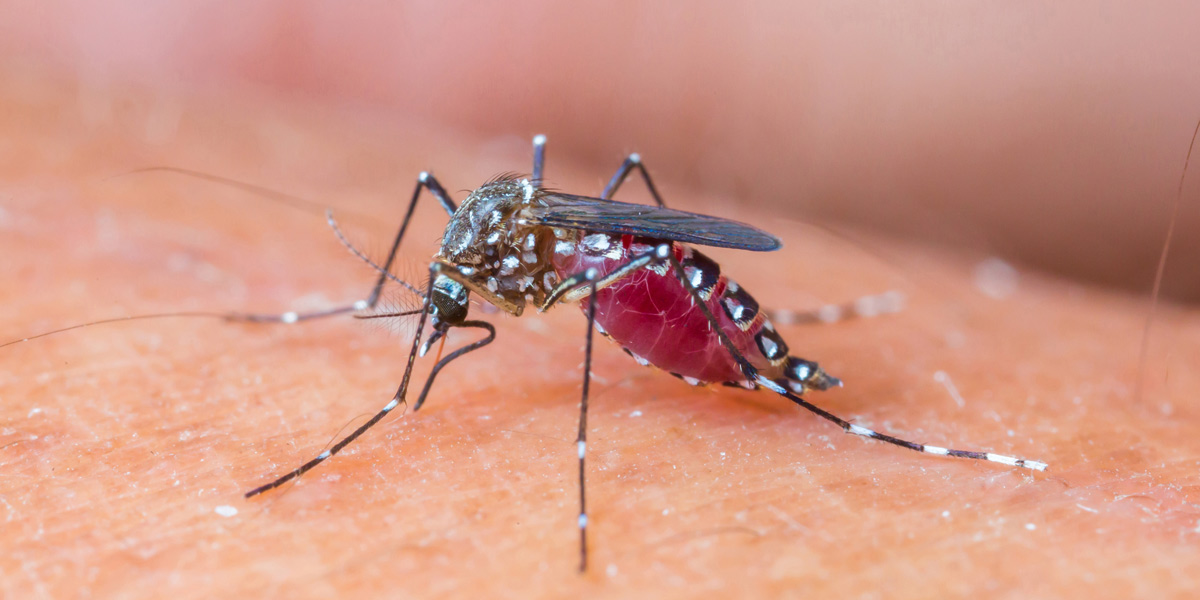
x: 652, y: 316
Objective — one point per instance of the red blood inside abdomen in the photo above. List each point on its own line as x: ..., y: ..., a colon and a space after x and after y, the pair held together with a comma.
x: 654, y: 317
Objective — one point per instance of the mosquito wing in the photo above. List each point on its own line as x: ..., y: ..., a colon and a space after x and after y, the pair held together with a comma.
x: 608, y: 216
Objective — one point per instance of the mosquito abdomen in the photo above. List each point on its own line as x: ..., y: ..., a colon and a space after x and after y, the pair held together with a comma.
x: 652, y: 316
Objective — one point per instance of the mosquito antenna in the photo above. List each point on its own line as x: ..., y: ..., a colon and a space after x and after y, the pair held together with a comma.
x: 363, y: 257
x: 214, y: 315
x: 283, y: 198
x: 1144, y: 351
x: 406, y: 313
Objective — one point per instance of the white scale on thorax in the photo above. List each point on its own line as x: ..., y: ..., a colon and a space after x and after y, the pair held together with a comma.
x: 602, y: 244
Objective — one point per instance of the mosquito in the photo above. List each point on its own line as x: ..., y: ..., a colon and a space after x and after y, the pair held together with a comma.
x: 636, y: 277
x: 516, y: 244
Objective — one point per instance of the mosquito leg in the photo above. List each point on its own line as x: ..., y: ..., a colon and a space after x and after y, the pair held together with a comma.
x: 424, y: 181
x: 572, y: 287
x: 864, y: 307
x: 631, y: 162
x: 581, y: 440
x: 753, y: 376
x: 456, y: 354
x: 395, y: 401
x: 539, y: 158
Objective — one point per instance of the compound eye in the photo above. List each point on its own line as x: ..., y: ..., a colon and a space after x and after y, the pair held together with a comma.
x: 450, y: 300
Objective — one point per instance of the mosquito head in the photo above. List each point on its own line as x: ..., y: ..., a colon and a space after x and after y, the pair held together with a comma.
x: 483, y: 220
x: 450, y: 300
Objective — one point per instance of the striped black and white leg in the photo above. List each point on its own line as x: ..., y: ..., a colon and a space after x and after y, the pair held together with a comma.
x: 631, y: 162
x: 591, y: 280
x: 851, y: 428
x: 752, y: 375
x: 539, y: 158
x: 396, y: 400
x: 581, y: 439
x: 860, y: 308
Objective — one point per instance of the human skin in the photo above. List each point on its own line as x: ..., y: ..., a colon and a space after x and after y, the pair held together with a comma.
x: 121, y: 441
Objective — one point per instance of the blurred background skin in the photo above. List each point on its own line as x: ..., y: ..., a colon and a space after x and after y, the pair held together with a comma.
x: 1052, y: 134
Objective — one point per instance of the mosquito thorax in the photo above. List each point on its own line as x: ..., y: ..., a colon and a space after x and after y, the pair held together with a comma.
x: 498, y: 249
